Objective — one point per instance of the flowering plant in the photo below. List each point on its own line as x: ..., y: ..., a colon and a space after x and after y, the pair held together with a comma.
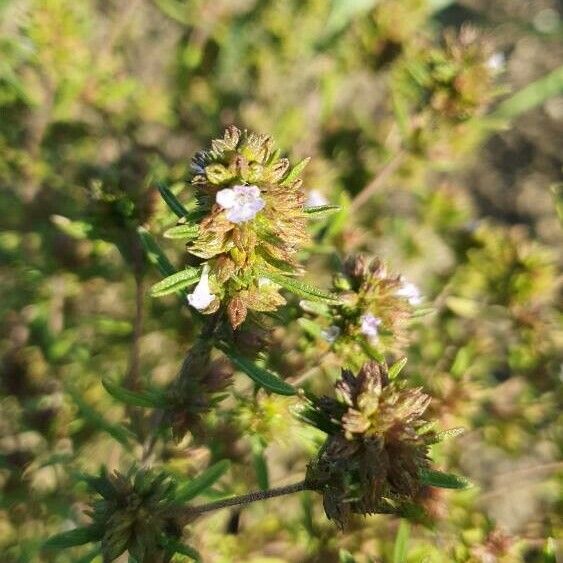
x: 247, y: 225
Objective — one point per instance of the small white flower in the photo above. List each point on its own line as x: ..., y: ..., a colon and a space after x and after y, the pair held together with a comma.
x: 370, y: 325
x: 496, y: 62
x: 241, y: 202
x: 331, y: 333
x: 201, y: 297
x: 315, y: 199
x: 410, y: 292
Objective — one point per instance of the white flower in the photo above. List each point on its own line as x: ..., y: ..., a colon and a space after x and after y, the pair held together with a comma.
x: 496, y: 62
x: 241, y: 202
x: 331, y: 333
x: 315, y: 199
x: 369, y: 326
x: 201, y: 297
x: 410, y: 292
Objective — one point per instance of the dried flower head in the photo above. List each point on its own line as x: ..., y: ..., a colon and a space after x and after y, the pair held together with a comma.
x: 377, y: 445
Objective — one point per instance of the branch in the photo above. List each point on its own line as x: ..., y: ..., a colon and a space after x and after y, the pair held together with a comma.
x: 386, y: 172
x: 246, y: 499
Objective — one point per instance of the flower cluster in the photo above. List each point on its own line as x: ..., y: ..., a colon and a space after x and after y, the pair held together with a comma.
x: 251, y: 223
x: 137, y: 513
x: 458, y: 79
x: 377, y: 445
x: 375, y: 307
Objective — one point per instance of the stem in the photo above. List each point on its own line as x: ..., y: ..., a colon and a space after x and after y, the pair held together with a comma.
x: 386, y: 172
x: 247, y: 499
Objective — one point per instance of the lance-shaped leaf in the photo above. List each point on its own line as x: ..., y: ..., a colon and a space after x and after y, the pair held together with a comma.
x: 176, y: 282
x: 310, y: 327
x: 295, y: 172
x: 259, y: 375
x: 187, y: 231
x: 154, y: 253
x: 203, y: 481
x: 401, y: 541
x: 446, y: 434
x: 172, y: 201
x: 260, y: 463
x: 147, y: 399
x: 173, y: 546
x: 396, y: 368
x: 78, y: 536
x: 116, y: 431
x: 443, y: 480
x: 321, y: 211
x: 300, y: 288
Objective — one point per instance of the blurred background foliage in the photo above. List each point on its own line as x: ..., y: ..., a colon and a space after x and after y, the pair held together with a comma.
x: 436, y: 126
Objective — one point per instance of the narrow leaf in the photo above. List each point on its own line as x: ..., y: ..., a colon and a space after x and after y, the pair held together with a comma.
x: 154, y: 253
x: 260, y: 375
x: 443, y: 480
x: 184, y: 231
x: 172, y: 201
x: 532, y: 95
x: 450, y: 433
x: 396, y: 368
x: 78, y: 536
x: 321, y: 210
x: 260, y: 464
x: 344, y: 556
x: 147, y: 399
x: 310, y: 327
x: 176, y: 282
x: 401, y: 541
x: 98, y: 422
x: 203, y: 481
x: 295, y: 172
x: 173, y: 546
x: 300, y: 288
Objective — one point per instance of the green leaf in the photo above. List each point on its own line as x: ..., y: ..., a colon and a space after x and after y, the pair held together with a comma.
x: 154, y: 253
x: 396, y: 368
x: 116, y: 431
x: 203, y: 481
x: 78, y: 536
x: 173, y: 546
x: 260, y: 464
x: 172, y: 201
x: 321, y: 210
x: 532, y: 95
x: 79, y: 230
x: 300, y: 288
x: 450, y: 433
x: 260, y: 375
x: 401, y: 541
x: 295, y: 172
x: 344, y: 11
x: 443, y: 480
x: 147, y: 399
x: 184, y: 231
x: 310, y: 327
x: 550, y: 551
x: 176, y: 282
x: 344, y: 556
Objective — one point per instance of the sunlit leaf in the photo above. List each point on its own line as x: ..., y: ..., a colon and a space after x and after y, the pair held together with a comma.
x: 176, y: 282
x: 203, y: 481
x: 443, y: 480
x: 260, y: 375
